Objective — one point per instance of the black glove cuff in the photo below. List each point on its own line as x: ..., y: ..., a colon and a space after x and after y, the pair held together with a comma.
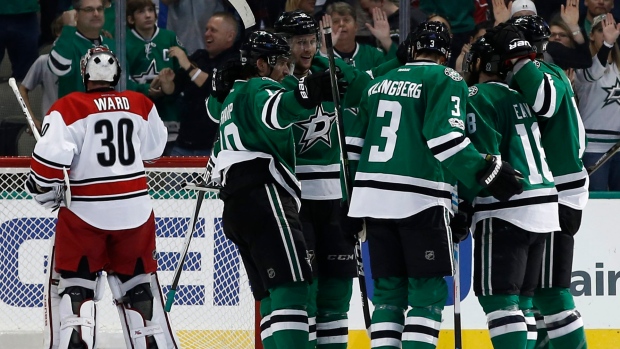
x: 302, y: 95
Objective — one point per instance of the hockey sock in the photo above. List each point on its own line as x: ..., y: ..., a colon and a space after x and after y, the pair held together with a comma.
x: 542, y: 338
x: 265, y: 324
x: 332, y: 324
x: 311, y: 309
x: 563, y: 321
x: 289, y: 319
x: 525, y: 304
x: 388, y: 318
x: 506, y: 322
x: 427, y: 297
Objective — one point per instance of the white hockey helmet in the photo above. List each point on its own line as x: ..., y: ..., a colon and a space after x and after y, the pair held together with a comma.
x: 100, y: 64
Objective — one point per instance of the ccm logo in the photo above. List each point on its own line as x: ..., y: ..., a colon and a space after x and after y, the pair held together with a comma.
x: 520, y: 43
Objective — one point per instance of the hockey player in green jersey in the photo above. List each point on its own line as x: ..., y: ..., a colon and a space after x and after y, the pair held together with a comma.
x: 318, y: 169
x: 147, y: 54
x: 548, y: 91
x: 414, y: 151
x: 256, y: 167
x: 64, y: 59
x: 509, y: 237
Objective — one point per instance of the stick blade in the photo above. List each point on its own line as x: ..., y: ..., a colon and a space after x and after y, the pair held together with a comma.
x: 245, y: 12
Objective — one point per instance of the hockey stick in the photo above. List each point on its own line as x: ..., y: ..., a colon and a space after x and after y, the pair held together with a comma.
x: 244, y: 11
x: 457, y: 298
x: 202, y: 189
x: 37, y: 136
x: 329, y: 46
x: 611, y: 152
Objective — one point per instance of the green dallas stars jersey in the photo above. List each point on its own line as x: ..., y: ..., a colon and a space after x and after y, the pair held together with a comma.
x: 499, y: 122
x: 145, y: 59
x: 316, y: 137
x: 414, y: 148
x: 547, y: 89
x: 255, y: 122
x: 366, y: 57
x: 64, y: 59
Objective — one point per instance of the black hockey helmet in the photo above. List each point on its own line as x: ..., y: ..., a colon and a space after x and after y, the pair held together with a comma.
x: 262, y: 44
x: 431, y: 36
x: 535, y: 29
x: 490, y: 60
x: 296, y: 23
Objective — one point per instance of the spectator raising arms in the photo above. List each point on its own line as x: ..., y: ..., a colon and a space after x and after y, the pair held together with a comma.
x: 599, y: 104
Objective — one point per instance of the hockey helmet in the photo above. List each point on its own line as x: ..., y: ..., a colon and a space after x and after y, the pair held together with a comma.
x: 100, y: 64
x: 296, y: 23
x: 262, y: 44
x: 431, y: 36
x: 490, y: 60
x: 535, y: 30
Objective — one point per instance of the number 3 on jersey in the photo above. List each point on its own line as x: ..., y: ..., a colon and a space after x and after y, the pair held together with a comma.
x: 389, y: 132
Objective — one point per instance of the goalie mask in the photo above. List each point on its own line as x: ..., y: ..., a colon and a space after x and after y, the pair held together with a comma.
x: 100, y: 64
x: 431, y: 37
x: 535, y: 30
x: 490, y: 61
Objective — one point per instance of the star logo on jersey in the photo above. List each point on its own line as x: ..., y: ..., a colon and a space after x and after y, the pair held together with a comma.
x: 613, y: 93
x: 148, y: 75
x: 316, y: 128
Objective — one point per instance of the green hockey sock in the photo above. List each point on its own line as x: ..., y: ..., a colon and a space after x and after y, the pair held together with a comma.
x: 332, y: 322
x: 506, y: 322
x: 565, y: 330
x: 311, y: 308
x: 542, y: 338
x: 289, y: 319
x: 388, y: 318
x: 427, y: 297
x: 525, y: 304
x: 265, y: 324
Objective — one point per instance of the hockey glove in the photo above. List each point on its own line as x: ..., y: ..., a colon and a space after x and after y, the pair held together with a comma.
x: 223, y: 78
x: 351, y: 226
x: 316, y: 88
x: 404, y: 52
x: 459, y: 224
x: 48, y: 197
x: 509, y: 43
x: 500, y: 179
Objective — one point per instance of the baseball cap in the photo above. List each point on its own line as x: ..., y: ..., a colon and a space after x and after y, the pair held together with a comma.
x: 522, y: 5
x: 598, y: 19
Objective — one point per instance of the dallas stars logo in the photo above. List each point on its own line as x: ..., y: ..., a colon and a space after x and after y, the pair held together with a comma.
x: 148, y: 75
x: 316, y: 128
x: 613, y: 93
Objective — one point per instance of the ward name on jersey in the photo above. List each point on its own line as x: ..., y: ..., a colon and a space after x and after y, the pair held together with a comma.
x: 104, y: 145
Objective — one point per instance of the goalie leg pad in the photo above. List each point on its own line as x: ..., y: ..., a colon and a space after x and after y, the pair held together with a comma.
x: 140, y: 308
x: 77, y: 313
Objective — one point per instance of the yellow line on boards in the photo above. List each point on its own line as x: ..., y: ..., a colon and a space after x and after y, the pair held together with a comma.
x: 479, y: 339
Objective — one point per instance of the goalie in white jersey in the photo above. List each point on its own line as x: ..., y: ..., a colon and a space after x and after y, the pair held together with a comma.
x: 101, y: 137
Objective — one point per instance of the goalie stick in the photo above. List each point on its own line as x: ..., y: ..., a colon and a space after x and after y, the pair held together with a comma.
x: 37, y: 136
x: 611, y: 152
x: 329, y: 46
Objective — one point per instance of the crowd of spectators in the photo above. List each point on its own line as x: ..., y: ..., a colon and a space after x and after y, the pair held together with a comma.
x: 176, y: 73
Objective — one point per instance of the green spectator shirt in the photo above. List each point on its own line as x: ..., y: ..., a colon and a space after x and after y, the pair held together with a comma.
x: 16, y: 7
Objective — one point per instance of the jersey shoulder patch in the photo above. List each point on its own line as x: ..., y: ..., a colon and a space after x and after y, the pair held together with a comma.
x: 458, y: 123
x: 537, y: 63
x: 473, y: 90
x: 453, y: 74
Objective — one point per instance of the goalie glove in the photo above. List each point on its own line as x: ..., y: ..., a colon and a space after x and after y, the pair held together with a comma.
x: 317, y: 88
x: 510, y: 43
x: 500, y: 179
x: 48, y: 197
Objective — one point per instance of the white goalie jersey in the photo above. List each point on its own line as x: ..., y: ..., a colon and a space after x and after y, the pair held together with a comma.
x: 102, y: 139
